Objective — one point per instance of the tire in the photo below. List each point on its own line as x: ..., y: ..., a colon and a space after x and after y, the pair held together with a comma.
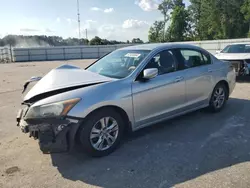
x: 217, y: 104
x: 95, y: 122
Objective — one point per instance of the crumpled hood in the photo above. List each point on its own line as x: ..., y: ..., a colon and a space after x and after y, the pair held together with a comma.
x: 63, y: 77
x: 233, y: 56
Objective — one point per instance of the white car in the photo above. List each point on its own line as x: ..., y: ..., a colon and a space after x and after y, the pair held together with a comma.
x: 238, y: 55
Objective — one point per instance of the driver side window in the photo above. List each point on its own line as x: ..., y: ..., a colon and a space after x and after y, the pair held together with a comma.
x: 163, y: 61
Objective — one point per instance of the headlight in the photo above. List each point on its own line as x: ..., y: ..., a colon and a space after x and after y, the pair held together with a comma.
x: 52, y: 110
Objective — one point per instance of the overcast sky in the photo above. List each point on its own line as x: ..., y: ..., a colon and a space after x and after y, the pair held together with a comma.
x: 111, y: 19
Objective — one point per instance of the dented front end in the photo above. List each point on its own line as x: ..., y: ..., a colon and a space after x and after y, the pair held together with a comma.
x: 53, y: 134
x: 45, y: 110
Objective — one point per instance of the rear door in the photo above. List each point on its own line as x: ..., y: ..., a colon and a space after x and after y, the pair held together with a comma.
x: 198, y: 75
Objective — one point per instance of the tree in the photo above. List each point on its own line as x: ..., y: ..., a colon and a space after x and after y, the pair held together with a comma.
x: 137, y: 41
x: 165, y: 7
x: 95, y: 41
x: 156, y: 32
x: 43, y: 41
x: 216, y: 19
x: 104, y: 42
x: 195, y: 16
x: 209, y: 22
x: 179, y: 22
x: 84, y: 41
x: 9, y: 40
x: 231, y: 17
x: 1, y: 42
x: 245, y: 9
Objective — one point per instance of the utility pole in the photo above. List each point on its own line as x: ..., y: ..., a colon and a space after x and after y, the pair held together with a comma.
x: 86, y: 33
x: 79, y: 20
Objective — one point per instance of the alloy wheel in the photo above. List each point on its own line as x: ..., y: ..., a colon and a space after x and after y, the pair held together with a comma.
x: 219, y: 97
x: 104, y: 133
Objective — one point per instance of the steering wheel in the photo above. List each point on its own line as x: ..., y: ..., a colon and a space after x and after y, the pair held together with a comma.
x: 132, y: 68
x: 108, y: 66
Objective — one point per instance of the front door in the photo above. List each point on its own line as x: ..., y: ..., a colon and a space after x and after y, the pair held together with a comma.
x: 160, y: 97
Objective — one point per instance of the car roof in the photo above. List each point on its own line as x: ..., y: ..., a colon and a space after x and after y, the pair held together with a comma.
x: 155, y: 46
x: 246, y: 43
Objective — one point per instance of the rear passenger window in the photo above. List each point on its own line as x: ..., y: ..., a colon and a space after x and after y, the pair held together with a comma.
x: 194, y: 58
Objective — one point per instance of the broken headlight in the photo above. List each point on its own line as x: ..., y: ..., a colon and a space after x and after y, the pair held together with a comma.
x: 57, y: 109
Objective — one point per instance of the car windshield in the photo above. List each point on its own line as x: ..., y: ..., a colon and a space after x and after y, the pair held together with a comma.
x: 237, y: 48
x: 119, y: 64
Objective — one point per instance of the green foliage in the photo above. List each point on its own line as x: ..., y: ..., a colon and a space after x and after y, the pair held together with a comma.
x: 43, y: 41
x: 95, y: 41
x: 136, y: 41
x: 203, y: 20
x: 194, y: 17
x: 179, y: 22
x: 156, y: 32
x: 245, y: 9
x: 209, y: 23
x: 165, y: 8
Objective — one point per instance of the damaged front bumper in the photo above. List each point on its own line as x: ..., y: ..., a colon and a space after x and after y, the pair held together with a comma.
x: 54, y: 134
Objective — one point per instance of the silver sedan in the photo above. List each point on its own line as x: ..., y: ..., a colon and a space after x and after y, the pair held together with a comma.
x: 126, y: 90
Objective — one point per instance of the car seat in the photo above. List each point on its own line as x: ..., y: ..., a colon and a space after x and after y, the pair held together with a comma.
x: 166, y: 62
x: 194, y: 61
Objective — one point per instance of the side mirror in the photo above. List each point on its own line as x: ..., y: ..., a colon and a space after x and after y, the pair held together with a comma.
x: 150, y: 73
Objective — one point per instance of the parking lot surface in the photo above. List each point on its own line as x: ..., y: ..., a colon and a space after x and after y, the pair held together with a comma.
x: 196, y: 150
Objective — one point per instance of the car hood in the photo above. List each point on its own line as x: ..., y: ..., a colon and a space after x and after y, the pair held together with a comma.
x: 233, y: 56
x: 66, y: 78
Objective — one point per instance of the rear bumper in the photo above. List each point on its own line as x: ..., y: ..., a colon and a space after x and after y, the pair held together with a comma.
x: 53, y: 135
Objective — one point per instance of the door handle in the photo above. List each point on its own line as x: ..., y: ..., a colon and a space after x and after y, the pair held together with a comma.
x: 210, y: 70
x: 179, y: 78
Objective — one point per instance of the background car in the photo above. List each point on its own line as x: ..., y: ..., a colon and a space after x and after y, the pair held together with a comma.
x: 128, y: 89
x: 238, y: 55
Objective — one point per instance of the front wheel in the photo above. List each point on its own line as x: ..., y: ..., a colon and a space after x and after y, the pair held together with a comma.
x: 101, y: 133
x: 218, y: 98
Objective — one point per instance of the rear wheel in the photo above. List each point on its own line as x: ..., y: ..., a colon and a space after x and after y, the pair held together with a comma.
x: 218, y: 98
x: 101, y: 133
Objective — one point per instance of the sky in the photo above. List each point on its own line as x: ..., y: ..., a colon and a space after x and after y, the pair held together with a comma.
x: 111, y: 19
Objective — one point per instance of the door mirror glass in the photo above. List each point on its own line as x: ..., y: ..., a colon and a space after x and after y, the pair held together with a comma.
x: 150, y: 73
